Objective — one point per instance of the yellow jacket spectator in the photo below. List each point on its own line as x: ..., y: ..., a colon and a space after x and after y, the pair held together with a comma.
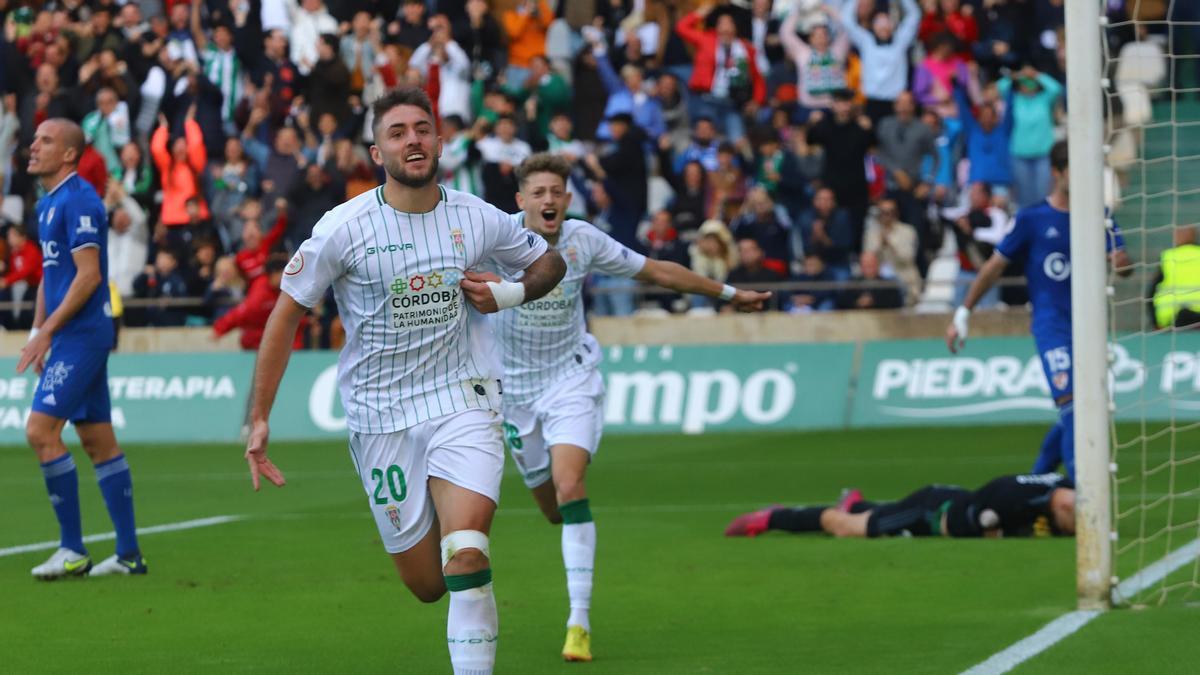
x: 1177, y: 295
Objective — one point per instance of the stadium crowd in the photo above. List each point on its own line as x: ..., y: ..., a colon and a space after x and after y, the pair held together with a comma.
x: 757, y: 142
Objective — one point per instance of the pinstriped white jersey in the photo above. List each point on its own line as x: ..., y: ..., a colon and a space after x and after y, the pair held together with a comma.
x: 546, y: 340
x: 415, y: 348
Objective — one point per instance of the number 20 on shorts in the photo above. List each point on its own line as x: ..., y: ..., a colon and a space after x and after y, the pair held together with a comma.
x: 393, y: 478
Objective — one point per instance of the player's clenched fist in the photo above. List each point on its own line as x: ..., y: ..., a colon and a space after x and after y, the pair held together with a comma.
x: 256, y: 457
x: 477, y: 291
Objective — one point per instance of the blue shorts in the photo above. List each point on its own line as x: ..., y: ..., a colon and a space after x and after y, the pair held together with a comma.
x: 1057, y: 363
x: 74, y: 385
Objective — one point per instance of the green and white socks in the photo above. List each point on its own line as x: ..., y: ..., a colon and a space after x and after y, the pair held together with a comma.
x: 472, y: 625
x: 579, y: 555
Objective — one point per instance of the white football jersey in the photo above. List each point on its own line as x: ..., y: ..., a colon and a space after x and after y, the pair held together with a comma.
x: 546, y: 340
x: 415, y: 348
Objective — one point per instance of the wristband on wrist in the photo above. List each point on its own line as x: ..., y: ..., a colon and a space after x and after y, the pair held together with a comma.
x: 33, y: 333
x: 727, y: 292
x: 508, y: 294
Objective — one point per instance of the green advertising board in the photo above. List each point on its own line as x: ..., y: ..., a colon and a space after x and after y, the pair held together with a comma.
x: 201, y: 397
x: 997, y: 380
x: 692, y: 389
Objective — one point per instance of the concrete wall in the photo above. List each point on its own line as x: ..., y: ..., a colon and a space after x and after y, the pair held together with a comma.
x: 651, y: 330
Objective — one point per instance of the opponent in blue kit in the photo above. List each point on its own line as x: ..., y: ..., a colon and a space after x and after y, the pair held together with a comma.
x: 69, y: 346
x: 1041, y: 240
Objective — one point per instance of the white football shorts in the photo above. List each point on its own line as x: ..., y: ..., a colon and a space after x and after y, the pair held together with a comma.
x: 570, y: 412
x: 465, y: 448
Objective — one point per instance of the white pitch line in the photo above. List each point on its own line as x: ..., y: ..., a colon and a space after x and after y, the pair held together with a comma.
x: 153, y: 529
x: 1048, y: 636
x: 1058, y: 629
x: 1156, y: 572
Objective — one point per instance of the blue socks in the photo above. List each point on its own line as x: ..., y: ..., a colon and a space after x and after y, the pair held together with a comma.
x: 1059, y: 444
x: 117, y: 487
x: 62, y: 482
x: 1050, y: 454
x: 1066, y: 420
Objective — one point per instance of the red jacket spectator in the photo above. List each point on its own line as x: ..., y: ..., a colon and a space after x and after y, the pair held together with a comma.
x: 251, y: 315
x: 706, y: 44
x: 180, y: 169
x: 24, y: 264
x: 950, y: 19
x: 92, y: 169
x: 252, y: 259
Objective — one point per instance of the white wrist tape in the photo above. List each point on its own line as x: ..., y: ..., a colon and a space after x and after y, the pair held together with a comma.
x: 33, y: 333
x: 507, y: 293
x: 961, y: 315
x: 727, y: 292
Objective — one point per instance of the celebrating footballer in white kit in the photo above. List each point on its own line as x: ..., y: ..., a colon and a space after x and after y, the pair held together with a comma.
x: 418, y: 376
x: 553, y: 391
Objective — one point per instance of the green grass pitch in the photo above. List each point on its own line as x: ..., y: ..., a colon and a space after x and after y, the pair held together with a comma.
x: 301, y: 584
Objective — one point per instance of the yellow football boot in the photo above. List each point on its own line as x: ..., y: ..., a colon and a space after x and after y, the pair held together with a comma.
x: 578, y: 646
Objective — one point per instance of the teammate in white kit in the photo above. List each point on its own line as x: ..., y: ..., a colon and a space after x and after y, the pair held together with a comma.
x: 418, y: 376
x: 553, y: 391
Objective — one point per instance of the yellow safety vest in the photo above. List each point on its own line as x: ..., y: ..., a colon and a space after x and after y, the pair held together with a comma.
x: 1180, y: 287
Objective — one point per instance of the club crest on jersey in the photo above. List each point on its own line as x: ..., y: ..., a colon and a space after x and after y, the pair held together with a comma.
x: 50, y: 215
x: 1057, y: 267
x: 393, y: 514
x: 572, y: 255
x: 1062, y: 379
x: 294, y: 265
x: 456, y: 238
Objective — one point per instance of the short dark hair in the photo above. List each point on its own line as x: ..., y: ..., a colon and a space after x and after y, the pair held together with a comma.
x: 1059, y: 156
x: 543, y: 162
x: 414, y: 96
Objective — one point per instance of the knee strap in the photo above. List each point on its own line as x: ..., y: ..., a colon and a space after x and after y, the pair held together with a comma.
x: 460, y: 539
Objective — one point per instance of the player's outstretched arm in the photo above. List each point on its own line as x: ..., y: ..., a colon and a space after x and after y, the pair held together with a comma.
x: 273, y: 355
x: 87, y: 280
x: 679, y: 278
x: 989, y: 274
x: 488, y: 293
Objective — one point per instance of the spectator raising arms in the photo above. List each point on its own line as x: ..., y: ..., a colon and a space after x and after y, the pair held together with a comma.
x: 251, y: 314
x: 526, y: 25
x: 180, y: 168
x: 256, y: 248
x: 884, y: 53
x: 725, y: 76
x: 820, y: 61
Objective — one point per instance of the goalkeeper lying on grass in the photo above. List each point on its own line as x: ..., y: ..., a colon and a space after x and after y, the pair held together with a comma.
x: 1009, y: 506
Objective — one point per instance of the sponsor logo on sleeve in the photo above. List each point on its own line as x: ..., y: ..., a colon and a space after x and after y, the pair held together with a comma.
x: 295, y: 265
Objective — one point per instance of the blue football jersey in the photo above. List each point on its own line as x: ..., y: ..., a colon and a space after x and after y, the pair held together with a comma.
x: 71, y: 217
x: 1041, y: 239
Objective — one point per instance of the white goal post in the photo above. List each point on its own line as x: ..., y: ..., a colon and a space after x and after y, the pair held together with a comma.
x: 1089, y: 302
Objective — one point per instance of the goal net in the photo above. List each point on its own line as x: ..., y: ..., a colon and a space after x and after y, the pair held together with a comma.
x: 1150, y: 56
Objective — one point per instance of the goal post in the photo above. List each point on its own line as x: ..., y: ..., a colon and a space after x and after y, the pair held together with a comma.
x: 1089, y: 302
